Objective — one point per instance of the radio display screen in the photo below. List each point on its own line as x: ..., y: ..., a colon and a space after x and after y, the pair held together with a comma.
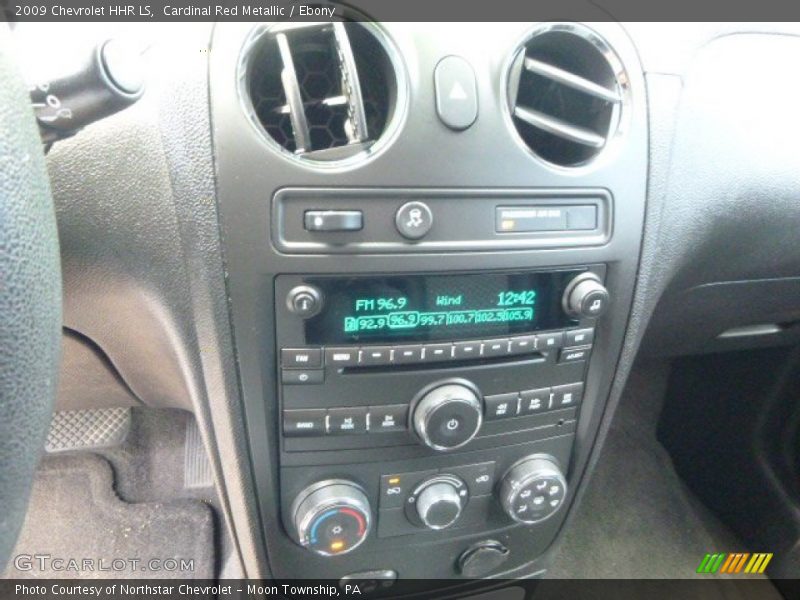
x: 405, y: 309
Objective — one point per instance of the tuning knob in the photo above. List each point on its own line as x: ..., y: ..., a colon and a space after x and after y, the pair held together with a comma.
x: 331, y: 517
x: 448, y: 414
x: 437, y: 503
x: 533, y: 489
x: 586, y: 296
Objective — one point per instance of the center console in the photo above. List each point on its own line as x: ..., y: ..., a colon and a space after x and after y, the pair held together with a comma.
x: 469, y: 386
x: 427, y: 319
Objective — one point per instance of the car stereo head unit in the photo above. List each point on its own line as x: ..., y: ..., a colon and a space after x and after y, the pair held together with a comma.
x: 419, y: 308
x: 422, y: 308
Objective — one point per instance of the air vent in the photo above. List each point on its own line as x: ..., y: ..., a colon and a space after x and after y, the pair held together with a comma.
x: 566, y: 93
x: 322, y: 92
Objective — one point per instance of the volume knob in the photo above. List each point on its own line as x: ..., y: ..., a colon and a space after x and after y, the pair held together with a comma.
x: 448, y: 414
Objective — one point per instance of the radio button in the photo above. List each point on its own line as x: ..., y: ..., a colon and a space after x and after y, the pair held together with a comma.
x: 407, y: 354
x: 479, y: 478
x: 388, y: 418
x: 495, y: 347
x: 579, y: 337
x: 341, y: 357
x: 569, y: 355
x: 395, y: 488
x: 466, y: 350
x: 501, y: 406
x: 568, y: 395
x: 550, y: 341
x: 534, y: 401
x: 523, y: 344
x: 304, y: 423
x: 301, y: 357
x: 347, y: 421
x: 376, y: 355
x: 437, y: 352
x: 302, y: 376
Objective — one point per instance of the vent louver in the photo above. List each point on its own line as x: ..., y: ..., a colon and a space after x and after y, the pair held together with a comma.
x: 566, y: 94
x: 322, y: 91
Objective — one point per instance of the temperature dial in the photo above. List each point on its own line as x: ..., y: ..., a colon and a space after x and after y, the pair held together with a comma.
x: 448, y: 414
x: 533, y: 489
x: 331, y: 517
x: 437, y: 502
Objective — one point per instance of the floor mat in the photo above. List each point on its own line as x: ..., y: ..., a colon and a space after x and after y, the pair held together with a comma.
x: 637, y: 519
x: 76, y: 526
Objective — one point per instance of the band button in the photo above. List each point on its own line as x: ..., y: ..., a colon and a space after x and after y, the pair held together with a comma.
x: 304, y: 423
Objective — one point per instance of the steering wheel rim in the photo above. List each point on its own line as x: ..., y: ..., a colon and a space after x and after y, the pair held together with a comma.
x: 30, y: 299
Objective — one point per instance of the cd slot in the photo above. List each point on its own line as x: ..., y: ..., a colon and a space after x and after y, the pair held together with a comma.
x: 536, y: 357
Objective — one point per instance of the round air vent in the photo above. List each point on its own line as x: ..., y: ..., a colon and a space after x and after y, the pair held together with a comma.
x: 567, y: 90
x: 324, y: 93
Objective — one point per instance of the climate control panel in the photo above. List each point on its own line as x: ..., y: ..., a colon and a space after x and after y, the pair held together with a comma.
x: 335, y: 516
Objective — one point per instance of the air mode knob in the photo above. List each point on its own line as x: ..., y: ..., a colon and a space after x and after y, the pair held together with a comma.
x: 533, y: 489
x: 331, y: 517
x: 447, y: 414
x: 438, y: 502
x: 586, y: 296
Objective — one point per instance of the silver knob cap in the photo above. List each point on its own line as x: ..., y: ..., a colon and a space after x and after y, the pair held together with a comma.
x: 586, y: 296
x: 533, y: 489
x: 331, y: 517
x: 439, y: 505
x: 448, y: 415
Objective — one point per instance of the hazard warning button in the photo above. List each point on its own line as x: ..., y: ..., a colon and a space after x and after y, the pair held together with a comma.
x: 456, y: 93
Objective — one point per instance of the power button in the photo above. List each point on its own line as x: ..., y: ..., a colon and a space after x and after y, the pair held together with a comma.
x: 304, y: 300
